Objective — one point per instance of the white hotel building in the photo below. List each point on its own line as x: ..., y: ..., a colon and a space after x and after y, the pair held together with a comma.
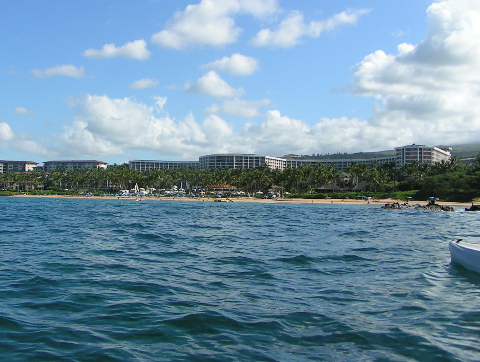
x: 145, y: 165
x: 403, y: 155
x: 49, y: 166
x: 17, y: 166
x: 340, y: 164
x: 422, y: 154
x: 237, y: 160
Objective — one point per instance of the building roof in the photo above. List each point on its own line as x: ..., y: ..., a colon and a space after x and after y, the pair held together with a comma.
x: 163, y: 161
x: 4, y: 161
x: 76, y: 161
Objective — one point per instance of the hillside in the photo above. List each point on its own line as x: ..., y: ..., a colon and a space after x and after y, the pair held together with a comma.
x: 462, y: 151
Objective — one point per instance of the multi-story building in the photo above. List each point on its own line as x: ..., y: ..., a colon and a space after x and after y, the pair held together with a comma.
x: 237, y: 160
x: 17, y: 166
x: 404, y: 155
x: 145, y: 165
x: 73, y: 165
x: 341, y: 164
x: 407, y: 154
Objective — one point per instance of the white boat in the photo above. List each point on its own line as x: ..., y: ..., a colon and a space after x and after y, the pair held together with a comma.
x: 465, y: 254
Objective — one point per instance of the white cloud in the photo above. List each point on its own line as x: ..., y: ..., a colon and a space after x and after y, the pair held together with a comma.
x: 28, y: 144
x: 22, y: 142
x: 79, y: 141
x: 64, y: 70
x: 136, y: 49
x: 107, y: 126
x: 144, y: 83
x: 293, y: 28
x: 239, y: 107
x: 112, y: 126
x: 6, y: 133
x: 211, y: 84
x: 429, y: 92
x: 237, y: 64
x: 160, y: 102
x: 278, y: 135
x: 23, y: 110
x: 210, y: 22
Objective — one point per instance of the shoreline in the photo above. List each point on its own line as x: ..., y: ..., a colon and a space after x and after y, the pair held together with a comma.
x: 379, y: 202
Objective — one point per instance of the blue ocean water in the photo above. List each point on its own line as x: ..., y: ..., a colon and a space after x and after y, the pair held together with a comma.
x: 117, y: 280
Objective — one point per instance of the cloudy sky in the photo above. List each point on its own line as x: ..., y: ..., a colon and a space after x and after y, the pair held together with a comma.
x: 118, y: 80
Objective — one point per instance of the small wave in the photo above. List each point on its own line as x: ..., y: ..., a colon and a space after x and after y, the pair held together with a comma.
x: 205, y: 323
x: 367, y: 249
x: 356, y: 233
x: 349, y: 258
x: 37, y: 282
x: 58, y: 306
x: 203, y: 226
x: 240, y: 260
x: 148, y: 236
x: 298, y: 260
x: 9, y: 324
x: 252, y: 274
x: 413, y: 308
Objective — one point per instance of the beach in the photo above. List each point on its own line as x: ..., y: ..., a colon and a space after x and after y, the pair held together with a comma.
x: 379, y: 202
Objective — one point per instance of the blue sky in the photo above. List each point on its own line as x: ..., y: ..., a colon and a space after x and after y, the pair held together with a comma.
x: 174, y: 80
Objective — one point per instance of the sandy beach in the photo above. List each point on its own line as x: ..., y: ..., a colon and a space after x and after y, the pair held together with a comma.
x: 379, y: 202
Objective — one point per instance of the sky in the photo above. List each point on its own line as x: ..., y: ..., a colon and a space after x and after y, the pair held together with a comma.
x: 121, y: 80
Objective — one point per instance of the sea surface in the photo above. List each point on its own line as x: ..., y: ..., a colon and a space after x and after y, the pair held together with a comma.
x: 118, y: 280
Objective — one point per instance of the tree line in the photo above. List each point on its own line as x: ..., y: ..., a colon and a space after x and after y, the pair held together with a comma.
x: 449, y: 180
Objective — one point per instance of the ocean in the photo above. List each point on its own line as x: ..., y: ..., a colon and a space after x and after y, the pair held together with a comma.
x: 118, y: 280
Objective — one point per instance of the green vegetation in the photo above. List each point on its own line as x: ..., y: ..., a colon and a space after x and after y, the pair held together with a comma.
x: 462, y: 151
x: 449, y: 181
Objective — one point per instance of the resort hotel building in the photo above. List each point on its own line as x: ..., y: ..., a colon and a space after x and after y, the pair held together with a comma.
x: 340, y: 164
x: 17, y: 166
x: 145, y: 165
x: 403, y: 156
x: 422, y: 154
x: 73, y: 165
x: 236, y: 160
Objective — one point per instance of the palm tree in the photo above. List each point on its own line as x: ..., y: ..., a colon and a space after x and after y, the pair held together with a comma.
x: 392, y: 173
x: 356, y: 172
x: 377, y: 177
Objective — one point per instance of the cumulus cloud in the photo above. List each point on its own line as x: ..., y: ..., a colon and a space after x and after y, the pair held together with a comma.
x: 144, y: 83
x: 238, y: 107
x: 64, y: 70
x: 21, y: 142
x: 78, y: 141
x: 6, y: 133
x: 108, y: 126
x: 23, y: 110
x: 136, y: 49
x: 429, y: 92
x: 210, y: 22
x: 237, y: 64
x: 294, y: 28
x: 211, y: 84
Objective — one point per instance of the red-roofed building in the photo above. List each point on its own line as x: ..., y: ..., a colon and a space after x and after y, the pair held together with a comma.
x: 17, y: 166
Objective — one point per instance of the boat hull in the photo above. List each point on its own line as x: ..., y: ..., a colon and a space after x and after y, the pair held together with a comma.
x: 465, y: 254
